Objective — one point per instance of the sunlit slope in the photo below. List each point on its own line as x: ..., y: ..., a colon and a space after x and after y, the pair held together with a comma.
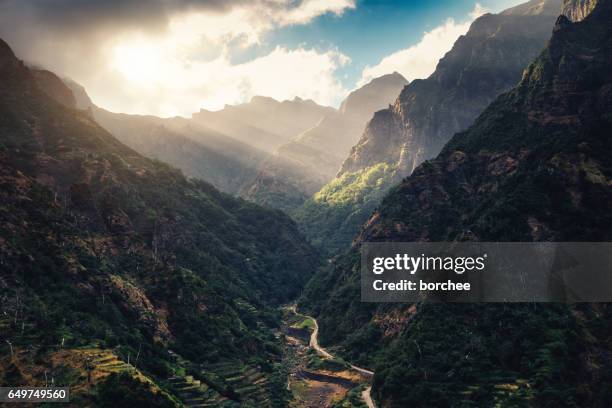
x: 535, y: 166
x: 487, y: 61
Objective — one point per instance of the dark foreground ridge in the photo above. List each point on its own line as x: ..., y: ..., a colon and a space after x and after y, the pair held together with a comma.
x: 110, y: 260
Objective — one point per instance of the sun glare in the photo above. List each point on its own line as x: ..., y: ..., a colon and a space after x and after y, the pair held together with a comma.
x: 139, y: 62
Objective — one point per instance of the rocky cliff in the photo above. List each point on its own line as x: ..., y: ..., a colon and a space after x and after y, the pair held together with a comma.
x: 302, y: 166
x: 534, y: 166
x: 485, y: 62
x: 577, y: 10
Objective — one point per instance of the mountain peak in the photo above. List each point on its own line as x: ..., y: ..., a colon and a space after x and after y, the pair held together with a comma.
x: 6, y: 54
x: 356, y: 100
x: 263, y: 100
x: 392, y: 76
x: 536, y: 8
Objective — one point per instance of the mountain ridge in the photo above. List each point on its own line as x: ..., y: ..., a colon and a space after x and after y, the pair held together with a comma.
x: 303, y: 165
x: 534, y: 166
x: 485, y: 62
x: 106, y: 252
x: 201, y: 152
x: 264, y: 122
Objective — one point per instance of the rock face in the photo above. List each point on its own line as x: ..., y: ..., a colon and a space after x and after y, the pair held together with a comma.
x: 53, y: 86
x: 102, y: 246
x: 535, y: 166
x: 303, y: 165
x: 485, y: 62
x: 577, y: 10
x: 551, y: 126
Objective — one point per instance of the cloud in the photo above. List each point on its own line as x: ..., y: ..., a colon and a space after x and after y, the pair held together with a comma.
x: 420, y: 60
x: 173, y: 57
x: 155, y: 83
x: 69, y: 16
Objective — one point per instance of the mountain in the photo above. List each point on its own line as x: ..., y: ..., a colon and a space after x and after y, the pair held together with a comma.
x: 577, y: 10
x: 264, y: 123
x: 225, y: 148
x: 535, y: 166
x: 119, y: 276
x: 197, y: 150
x: 485, y: 62
x: 300, y: 167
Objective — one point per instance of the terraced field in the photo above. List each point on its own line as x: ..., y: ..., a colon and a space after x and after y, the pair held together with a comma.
x: 194, y: 393
x: 248, y: 384
x: 228, y: 384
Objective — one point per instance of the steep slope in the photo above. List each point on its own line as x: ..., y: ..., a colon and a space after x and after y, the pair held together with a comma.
x: 107, y: 253
x: 197, y: 150
x: 535, y: 166
x: 302, y: 166
x: 200, y: 152
x: 577, y: 10
x: 264, y: 123
x: 485, y: 62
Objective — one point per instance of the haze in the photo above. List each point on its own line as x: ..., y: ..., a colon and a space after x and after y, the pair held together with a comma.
x: 173, y: 58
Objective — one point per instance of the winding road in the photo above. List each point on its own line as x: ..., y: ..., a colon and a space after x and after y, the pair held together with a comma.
x: 314, y: 343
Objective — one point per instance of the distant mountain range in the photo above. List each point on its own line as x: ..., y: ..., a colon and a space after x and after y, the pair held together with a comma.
x: 224, y: 147
x: 487, y: 61
x: 198, y: 151
x: 264, y: 123
x: 534, y: 166
x: 269, y: 152
x: 304, y: 164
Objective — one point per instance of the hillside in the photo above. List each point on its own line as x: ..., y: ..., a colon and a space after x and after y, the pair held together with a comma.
x: 225, y: 148
x: 300, y: 167
x: 485, y: 62
x: 115, y: 263
x: 535, y: 166
x: 198, y: 151
x: 264, y: 123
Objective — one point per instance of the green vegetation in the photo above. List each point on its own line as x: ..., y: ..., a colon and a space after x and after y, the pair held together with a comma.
x: 307, y: 323
x: 535, y: 166
x: 352, y: 400
x: 123, y: 390
x: 465, y: 355
x: 315, y: 362
x: 101, y: 247
x: 332, y: 218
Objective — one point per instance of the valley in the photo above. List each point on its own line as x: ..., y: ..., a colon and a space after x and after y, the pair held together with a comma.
x: 318, y: 378
x: 214, y: 259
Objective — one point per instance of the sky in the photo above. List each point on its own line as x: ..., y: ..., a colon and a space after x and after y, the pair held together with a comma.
x: 170, y: 58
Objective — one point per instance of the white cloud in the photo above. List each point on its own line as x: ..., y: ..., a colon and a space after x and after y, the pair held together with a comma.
x: 310, y: 9
x: 249, y: 23
x: 420, y: 60
x: 166, y: 75
x: 182, y: 61
x: 154, y: 82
